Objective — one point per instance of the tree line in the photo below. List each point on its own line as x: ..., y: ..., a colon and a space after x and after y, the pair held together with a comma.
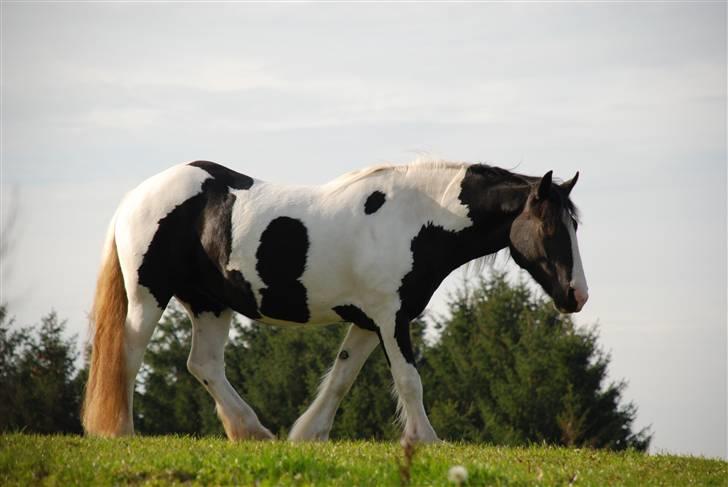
x: 506, y: 368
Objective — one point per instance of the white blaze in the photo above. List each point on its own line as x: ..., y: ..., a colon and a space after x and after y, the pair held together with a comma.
x: 578, y: 279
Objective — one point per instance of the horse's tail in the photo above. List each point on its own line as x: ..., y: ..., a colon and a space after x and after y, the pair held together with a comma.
x: 106, y: 405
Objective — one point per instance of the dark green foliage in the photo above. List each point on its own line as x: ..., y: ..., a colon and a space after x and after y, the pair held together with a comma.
x: 40, y: 390
x: 509, y: 369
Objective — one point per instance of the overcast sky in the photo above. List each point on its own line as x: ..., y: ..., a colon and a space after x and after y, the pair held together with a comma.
x: 97, y: 97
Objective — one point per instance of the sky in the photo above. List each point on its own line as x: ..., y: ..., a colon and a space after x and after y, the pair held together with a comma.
x: 98, y: 97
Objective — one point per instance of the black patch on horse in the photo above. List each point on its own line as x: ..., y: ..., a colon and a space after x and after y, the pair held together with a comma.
x: 434, y: 253
x: 281, y: 261
x: 227, y: 176
x: 354, y: 314
x: 374, y: 202
x: 505, y: 196
x: 491, y: 195
x: 188, y: 256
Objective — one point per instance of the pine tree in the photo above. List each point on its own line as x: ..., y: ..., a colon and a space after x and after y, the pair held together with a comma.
x: 509, y: 369
x: 40, y: 391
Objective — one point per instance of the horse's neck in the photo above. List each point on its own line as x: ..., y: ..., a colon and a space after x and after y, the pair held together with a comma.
x: 436, y: 194
x: 482, y: 230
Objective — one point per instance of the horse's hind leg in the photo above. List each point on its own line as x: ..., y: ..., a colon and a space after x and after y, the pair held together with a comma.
x: 316, y: 422
x: 143, y: 314
x: 206, y: 363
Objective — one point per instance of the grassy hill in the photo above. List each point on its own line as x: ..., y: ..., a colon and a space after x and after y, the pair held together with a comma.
x: 73, y: 460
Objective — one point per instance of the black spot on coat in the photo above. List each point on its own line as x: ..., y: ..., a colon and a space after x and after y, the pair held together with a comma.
x: 374, y: 202
x: 188, y: 255
x: 281, y: 260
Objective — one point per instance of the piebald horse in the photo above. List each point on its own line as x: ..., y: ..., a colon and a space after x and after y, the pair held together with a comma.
x: 368, y: 248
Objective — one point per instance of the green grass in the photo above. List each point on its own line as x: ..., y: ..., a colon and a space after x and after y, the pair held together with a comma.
x: 73, y: 460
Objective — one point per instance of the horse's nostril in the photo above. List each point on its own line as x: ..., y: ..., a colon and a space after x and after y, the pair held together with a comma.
x: 579, y: 296
x: 572, y: 296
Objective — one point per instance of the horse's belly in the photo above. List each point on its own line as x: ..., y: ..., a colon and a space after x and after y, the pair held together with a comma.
x: 316, y: 321
x: 295, y: 305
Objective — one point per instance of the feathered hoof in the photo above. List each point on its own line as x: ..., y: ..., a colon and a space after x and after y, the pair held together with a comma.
x: 297, y: 436
x: 262, y: 433
x: 305, y: 431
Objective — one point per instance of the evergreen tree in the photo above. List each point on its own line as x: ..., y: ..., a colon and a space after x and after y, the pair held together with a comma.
x: 509, y: 369
x: 11, y: 344
x: 40, y: 390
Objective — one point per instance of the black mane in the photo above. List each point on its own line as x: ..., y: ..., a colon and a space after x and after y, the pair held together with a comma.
x: 499, y: 176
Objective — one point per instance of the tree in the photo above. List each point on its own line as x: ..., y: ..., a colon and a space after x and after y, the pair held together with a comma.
x: 509, y: 369
x: 41, y: 391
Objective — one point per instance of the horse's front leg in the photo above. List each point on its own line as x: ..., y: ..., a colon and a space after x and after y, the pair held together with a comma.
x: 398, y: 346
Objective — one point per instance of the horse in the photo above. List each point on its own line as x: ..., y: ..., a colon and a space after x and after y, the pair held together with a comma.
x: 368, y: 248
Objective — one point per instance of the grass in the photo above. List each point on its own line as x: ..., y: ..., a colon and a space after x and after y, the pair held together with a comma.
x: 73, y: 460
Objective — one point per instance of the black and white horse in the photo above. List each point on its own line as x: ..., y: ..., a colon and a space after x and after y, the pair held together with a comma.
x: 369, y: 248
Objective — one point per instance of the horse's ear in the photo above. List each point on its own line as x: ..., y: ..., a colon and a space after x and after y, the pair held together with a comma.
x: 544, y: 187
x: 569, y: 185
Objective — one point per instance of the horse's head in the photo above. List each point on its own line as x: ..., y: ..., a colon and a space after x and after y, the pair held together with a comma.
x: 543, y: 241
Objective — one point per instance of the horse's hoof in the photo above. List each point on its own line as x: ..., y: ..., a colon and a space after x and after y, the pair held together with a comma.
x: 240, y: 433
x: 310, y: 437
x: 257, y: 436
x: 262, y: 434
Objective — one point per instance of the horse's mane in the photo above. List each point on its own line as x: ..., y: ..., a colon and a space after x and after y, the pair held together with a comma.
x: 349, y: 178
x: 418, y: 165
